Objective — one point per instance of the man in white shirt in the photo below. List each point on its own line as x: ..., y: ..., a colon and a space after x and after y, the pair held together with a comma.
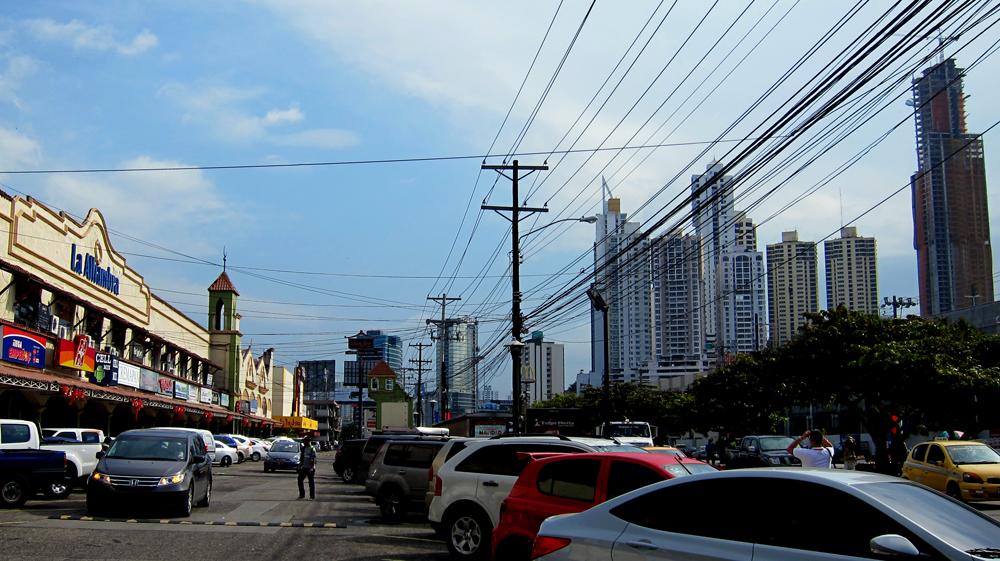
x: 818, y: 455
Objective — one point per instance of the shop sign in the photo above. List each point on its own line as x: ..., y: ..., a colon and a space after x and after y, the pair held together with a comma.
x: 87, y: 266
x: 486, y: 431
x: 243, y: 407
x: 76, y: 354
x: 166, y: 385
x: 224, y: 399
x: 150, y: 380
x: 180, y: 390
x: 129, y: 375
x: 207, y: 396
x: 215, y: 398
x: 253, y: 406
x: 105, y: 370
x: 21, y: 347
x: 193, y: 393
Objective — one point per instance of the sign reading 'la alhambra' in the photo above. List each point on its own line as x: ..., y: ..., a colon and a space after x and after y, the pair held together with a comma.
x: 88, y: 266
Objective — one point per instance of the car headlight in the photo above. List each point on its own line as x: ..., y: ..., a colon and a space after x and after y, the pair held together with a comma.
x: 102, y: 477
x: 971, y: 478
x: 172, y: 479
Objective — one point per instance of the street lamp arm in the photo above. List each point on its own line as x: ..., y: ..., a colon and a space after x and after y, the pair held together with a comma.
x: 587, y: 219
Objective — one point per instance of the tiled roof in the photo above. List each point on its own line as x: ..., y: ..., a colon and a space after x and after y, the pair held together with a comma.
x: 223, y: 284
x: 381, y: 369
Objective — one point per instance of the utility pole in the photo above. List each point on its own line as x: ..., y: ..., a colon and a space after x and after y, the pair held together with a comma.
x: 420, y: 362
x: 515, y: 280
x: 443, y: 329
x: 898, y: 303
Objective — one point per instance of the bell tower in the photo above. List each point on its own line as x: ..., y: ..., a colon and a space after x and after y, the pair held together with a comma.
x: 224, y: 331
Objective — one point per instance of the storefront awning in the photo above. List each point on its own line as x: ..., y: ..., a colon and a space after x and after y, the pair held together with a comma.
x: 302, y: 423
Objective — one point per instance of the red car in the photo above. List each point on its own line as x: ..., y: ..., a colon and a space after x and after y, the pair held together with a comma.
x: 568, y: 483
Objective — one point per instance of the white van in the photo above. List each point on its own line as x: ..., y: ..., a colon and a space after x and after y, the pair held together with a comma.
x: 206, y: 435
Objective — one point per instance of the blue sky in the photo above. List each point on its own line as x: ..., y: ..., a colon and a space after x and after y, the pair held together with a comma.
x: 124, y: 84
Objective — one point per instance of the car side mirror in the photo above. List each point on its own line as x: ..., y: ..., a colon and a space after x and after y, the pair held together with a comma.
x: 751, y: 448
x: 893, y: 544
x: 100, y: 454
x: 198, y: 459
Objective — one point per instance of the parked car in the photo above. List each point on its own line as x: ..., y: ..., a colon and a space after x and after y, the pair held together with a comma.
x: 225, y: 455
x: 283, y: 455
x: 965, y: 470
x: 257, y: 449
x: 24, y: 468
x: 398, y: 477
x: 146, y: 466
x: 762, y: 451
x: 375, y: 442
x: 469, y: 488
x: 244, y: 447
x: 718, y: 516
x: 234, y: 444
x: 81, y: 457
x: 451, y: 447
x: 570, y: 483
x: 347, y: 459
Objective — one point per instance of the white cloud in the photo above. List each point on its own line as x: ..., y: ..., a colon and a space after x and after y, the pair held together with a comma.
x: 282, y: 116
x: 17, y: 69
x: 178, y: 206
x: 88, y: 37
x: 17, y: 150
x: 220, y: 108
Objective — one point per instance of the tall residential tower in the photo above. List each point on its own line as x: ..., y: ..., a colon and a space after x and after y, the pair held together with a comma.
x: 851, y: 272
x: 792, y: 285
x: 951, y: 224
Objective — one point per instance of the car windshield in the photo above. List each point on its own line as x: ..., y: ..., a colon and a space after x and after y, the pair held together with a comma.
x: 973, y: 454
x: 958, y: 525
x: 618, y: 448
x: 285, y: 446
x: 668, y: 452
x: 774, y: 443
x: 154, y: 448
x: 630, y: 430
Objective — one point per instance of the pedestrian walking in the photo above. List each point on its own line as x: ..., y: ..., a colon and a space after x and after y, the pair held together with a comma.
x: 710, y: 452
x: 818, y: 455
x: 307, y: 468
x: 850, y: 453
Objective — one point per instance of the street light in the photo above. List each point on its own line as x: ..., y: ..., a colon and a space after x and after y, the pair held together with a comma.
x: 587, y: 219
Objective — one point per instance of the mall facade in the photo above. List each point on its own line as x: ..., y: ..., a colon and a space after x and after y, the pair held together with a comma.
x: 87, y: 343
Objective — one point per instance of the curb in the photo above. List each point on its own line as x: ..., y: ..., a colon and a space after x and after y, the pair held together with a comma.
x: 77, y: 517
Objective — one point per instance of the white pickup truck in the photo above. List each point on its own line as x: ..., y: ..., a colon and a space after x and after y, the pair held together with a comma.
x: 81, y: 454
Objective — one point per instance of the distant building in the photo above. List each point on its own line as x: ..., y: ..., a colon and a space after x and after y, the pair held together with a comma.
x: 792, y: 284
x: 951, y: 225
x: 546, y: 363
x: 741, y: 300
x: 851, y: 272
x: 624, y: 282
x: 320, y: 390
x: 678, y: 310
x: 713, y: 217
x: 458, y: 352
x: 373, y: 345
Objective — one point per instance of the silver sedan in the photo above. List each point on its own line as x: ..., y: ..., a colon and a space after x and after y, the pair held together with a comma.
x: 225, y: 455
x: 774, y: 515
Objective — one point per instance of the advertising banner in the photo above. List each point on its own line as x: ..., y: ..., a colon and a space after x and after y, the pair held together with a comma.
x: 253, y: 406
x: 192, y: 393
x: 224, y: 399
x: 207, y: 396
x: 180, y: 390
x: 486, y: 431
x: 129, y: 375
x: 105, y: 370
x: 215, y: 398
x: 21, y: 347
x: 166, y: 385
x: 76, y: 354
x: 150, y: 380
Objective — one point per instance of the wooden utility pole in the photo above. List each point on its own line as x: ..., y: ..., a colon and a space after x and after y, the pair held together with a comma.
x: 515, y: 280
x: 420, y: 362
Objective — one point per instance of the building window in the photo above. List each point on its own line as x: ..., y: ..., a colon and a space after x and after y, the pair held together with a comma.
x: 373, y: 384
x: 389, y: 384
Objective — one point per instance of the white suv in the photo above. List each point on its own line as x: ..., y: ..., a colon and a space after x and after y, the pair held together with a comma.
x: 469, y: 488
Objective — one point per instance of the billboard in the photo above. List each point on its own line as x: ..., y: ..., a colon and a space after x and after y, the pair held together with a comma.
x: 21, y: 347
x: 149, y: 381
x: 181, y: 390
x: 76, y: 354
x: 129, y: 375
x: 105, y: 370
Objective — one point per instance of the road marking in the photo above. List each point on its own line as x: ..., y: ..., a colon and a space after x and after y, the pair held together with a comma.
x: 10, y: 523
x: 168, y: 521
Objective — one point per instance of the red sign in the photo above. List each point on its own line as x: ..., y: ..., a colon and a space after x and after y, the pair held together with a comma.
x: 371, y: 424
x: 77, y: 354
x: 21, y: 347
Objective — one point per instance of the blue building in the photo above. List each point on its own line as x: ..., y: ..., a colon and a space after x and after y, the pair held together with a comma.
x: 373, y: 345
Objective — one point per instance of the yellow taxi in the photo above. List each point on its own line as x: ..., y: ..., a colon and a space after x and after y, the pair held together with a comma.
x: 966, y: 470
x: 668, y: 450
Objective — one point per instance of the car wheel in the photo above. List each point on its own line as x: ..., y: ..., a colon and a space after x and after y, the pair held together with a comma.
x: 255, y: 457
x: 469, y: 534
x: 347, y: 475
x: 208, y: 496
x: 392, y: 504
x: 239, y: 457
x: 953, y: 491
x: 226, y: 461
x: 13, y: 492
x: 187, y: 503
x: 58, y: 489
x: 266, y: 469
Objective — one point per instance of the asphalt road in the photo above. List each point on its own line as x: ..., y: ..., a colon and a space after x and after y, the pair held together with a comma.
x: 244, y: 521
